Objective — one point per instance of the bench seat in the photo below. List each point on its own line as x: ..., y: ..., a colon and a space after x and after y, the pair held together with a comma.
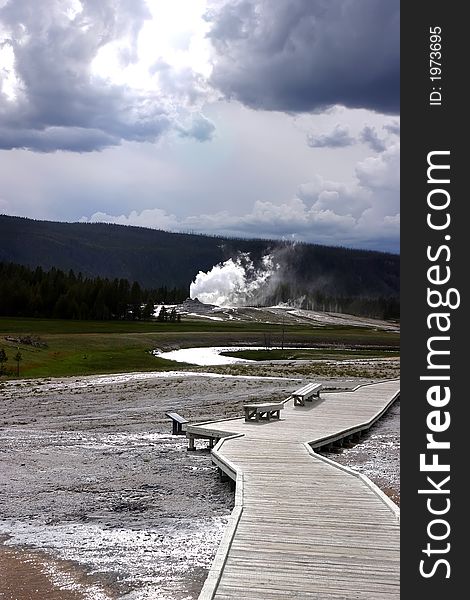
x: 307, y: 392
x: 178, y: 422
x: 267, y: 411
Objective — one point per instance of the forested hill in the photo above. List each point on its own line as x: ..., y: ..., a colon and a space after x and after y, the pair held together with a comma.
x: 156, y: 258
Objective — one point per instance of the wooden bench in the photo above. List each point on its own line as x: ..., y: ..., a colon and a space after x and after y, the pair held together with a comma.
x: 307, y: 392
x: 267, y: 411
x: 178, y: 422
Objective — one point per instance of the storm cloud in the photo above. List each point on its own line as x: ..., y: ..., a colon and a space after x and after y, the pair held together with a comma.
x: 307, y: 55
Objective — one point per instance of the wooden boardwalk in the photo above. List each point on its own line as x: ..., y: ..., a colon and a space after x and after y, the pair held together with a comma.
x: 304, y: 527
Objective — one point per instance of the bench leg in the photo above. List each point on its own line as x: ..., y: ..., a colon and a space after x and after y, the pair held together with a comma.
x: 250, y: 414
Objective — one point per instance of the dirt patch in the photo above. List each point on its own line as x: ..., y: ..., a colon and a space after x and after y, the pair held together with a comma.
x: 28, y: 575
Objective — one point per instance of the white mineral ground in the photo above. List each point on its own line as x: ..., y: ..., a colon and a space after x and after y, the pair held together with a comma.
x: 99, y: 502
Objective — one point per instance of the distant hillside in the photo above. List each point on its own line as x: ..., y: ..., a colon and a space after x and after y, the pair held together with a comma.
x: 156, y: 258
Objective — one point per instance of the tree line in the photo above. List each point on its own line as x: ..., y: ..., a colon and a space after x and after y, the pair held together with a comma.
x: 26, y: 292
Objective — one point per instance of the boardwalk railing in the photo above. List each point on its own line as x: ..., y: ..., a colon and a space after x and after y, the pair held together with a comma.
x: 217, y: 567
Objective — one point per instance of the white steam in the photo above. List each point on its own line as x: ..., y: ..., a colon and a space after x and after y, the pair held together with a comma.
x: 235, y: 282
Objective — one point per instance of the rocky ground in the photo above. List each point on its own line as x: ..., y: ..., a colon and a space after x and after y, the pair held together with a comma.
x: 99, y: 501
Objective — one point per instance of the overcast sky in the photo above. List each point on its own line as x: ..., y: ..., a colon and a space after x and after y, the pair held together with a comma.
x: 259, y: 118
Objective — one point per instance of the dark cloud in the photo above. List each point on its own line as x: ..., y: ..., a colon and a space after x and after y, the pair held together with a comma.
x: 307, y: 55
x: 74, y: 139
x: 60, y: 104
x: 369, y: 136
x: 337, y: 138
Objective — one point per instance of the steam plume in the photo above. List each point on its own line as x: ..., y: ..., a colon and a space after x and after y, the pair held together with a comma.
x: 235, y: 282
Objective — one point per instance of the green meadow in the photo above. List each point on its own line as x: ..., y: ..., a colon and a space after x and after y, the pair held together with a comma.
x: 65, y: 347
x: 311, y: 354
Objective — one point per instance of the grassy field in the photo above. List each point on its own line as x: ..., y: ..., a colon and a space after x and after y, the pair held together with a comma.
x: 311, y: 354
x: 90, y: 347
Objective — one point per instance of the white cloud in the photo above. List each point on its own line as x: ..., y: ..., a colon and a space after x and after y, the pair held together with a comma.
x: 381, y: 172
x: 154, y: 218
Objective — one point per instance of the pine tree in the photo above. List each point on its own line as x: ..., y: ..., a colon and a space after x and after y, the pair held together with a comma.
x: 162, y: 315
x: 18, y: 357
x: 148, y: 310
x: 3, y: 360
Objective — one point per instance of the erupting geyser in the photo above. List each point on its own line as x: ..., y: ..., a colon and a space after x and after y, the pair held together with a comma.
x: 236, y: 282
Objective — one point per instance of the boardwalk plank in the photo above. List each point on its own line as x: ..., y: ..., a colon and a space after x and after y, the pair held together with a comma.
x: 308, y: 529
